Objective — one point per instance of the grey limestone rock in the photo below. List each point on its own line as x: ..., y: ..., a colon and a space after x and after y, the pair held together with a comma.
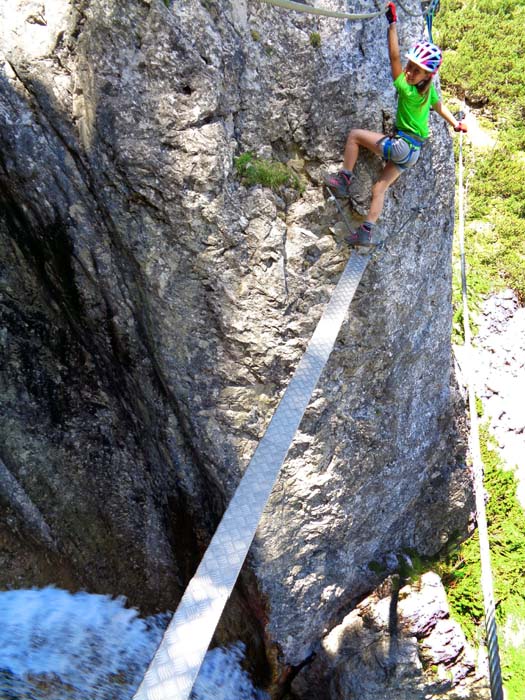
x: 153, y: 308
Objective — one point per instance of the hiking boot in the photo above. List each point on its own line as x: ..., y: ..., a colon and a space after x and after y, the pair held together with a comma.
x: 361, y: 236
x: 339, y: 184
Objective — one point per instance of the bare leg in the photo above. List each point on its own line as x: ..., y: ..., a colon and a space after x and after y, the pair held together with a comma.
x: 360, y: 137
x: 389, y: 175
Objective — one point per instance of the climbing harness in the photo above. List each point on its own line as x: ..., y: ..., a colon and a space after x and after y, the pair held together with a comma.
x: 412, y: 139
x: 496, y: 687
x: 402, y: 149
x: 299, y: 7
x: 176, y: 663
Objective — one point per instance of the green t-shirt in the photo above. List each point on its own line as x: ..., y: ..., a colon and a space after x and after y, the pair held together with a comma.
x: 413, y: 109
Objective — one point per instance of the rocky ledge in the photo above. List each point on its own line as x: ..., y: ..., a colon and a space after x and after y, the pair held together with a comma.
x: 398, y: 643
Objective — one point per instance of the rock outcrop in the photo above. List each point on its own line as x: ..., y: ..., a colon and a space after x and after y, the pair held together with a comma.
x: 153, y: 308
x: 400, y: 642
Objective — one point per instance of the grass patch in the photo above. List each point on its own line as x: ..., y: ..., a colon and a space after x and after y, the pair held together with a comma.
x: 484, y: 52
x: 315, y: 40
x: 494, y: 226
x: 412, y: 566
x: 269, y: 173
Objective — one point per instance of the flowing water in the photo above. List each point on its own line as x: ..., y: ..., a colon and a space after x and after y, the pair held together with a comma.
x: 55, y: 645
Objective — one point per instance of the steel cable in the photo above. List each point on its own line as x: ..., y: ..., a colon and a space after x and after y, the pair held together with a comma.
x: 308, y: 9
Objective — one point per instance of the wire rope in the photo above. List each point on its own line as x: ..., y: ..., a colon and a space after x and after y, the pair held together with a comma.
x: 308, y: 9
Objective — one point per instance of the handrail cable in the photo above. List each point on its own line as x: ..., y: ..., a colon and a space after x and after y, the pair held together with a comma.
x: 496, y: 687
x: 308, y: 9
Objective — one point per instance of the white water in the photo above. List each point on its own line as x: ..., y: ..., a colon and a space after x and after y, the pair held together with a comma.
x: 55, y: 645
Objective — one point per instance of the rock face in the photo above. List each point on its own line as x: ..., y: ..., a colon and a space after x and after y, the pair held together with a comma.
x: 399, y: 643
x: 154, y: 307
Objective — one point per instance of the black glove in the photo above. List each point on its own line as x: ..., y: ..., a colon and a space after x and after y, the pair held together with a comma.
x: 391, y: 13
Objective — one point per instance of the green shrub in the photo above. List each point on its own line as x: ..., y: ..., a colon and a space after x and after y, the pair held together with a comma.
x: 269, y: 173
x: 377, y: 567
x: 484, y: 51
x: 484, y: 58
x: 514, y: 672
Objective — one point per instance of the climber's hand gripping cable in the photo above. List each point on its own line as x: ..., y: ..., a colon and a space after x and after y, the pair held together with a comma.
x: 460, y: 125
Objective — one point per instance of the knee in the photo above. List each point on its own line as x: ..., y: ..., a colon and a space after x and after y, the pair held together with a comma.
x: 353, y: 136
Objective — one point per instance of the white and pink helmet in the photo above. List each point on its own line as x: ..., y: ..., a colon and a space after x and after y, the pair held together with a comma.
x: 426, y: 55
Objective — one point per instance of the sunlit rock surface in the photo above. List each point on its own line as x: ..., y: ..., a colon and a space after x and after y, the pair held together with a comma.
x: 400, y: 642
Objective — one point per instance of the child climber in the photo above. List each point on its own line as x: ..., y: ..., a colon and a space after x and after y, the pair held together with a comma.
x: 416, y: 96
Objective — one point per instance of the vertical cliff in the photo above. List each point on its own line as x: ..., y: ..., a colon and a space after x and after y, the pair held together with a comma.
x: 153, y: 308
